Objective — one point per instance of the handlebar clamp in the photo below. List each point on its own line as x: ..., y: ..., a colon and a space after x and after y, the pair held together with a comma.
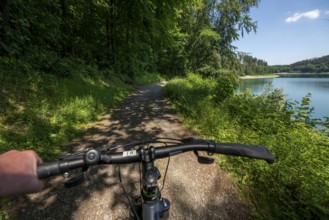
x: 92, y: 157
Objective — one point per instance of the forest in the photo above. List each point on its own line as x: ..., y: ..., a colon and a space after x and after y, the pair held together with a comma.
x: 126, y: 38
x: 49, y: 48
x: 64, y: 63
x: 253, y: 66
x: 314, y: 65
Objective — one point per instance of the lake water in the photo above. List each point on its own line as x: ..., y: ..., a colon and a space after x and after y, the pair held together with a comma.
x: 296, y: 89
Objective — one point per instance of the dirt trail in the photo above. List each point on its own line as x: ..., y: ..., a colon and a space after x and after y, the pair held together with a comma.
x: 196, y: 191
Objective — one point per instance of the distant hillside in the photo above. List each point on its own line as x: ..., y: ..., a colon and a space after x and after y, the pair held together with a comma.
x: 314, y: 65
x: 253, y: 66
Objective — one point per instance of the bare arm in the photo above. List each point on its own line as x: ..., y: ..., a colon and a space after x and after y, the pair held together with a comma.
x: 18, y: 173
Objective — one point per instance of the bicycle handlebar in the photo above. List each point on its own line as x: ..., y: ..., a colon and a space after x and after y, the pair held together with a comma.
x: 251, y: 151
x: 94, y: 157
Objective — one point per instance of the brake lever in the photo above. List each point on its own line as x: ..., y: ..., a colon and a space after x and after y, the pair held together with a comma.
x: 193, y: 140
x: 76, y: 180
x: 203, y: 159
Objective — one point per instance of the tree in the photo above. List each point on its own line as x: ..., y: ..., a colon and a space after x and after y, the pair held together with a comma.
x: 127, y: 37
x: 252, y: 65
x: 231, y: 18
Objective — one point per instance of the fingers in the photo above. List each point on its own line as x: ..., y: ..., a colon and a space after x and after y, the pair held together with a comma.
x: 18, y: 171
x: 34, y: 155
x: 36, y: 184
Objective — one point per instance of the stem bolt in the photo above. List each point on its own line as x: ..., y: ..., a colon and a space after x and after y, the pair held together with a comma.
x: 91, y: 156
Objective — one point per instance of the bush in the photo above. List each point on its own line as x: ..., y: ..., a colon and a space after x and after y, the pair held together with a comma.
x: 147, y: 78
x: 196, y: 88
x: 296, y: 186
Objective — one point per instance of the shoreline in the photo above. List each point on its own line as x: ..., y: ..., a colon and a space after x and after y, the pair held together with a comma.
x: 285, y: 74
x: 259, y: 76
x: 288, y: 75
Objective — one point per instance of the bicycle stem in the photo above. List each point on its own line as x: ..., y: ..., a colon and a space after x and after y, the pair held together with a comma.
x: 153, y: 205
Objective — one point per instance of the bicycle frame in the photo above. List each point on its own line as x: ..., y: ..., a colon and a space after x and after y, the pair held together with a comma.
x: 151, y: 205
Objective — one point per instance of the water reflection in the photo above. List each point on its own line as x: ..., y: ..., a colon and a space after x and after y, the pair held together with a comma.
x: 296, y: 88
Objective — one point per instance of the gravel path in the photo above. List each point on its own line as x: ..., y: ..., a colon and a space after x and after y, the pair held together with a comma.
x: 196, y: 191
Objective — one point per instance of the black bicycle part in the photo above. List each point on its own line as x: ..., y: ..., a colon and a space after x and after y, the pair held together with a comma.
x: 93, y: 157
x: 130, y: 200
x: 137, y: 205
x: 203, y: 159
x: 75, y: 181
x: 153, y: 205
x: 164, y: 178
x: 164, y: 206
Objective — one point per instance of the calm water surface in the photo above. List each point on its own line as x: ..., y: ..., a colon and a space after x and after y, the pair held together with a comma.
x: 296, y: 89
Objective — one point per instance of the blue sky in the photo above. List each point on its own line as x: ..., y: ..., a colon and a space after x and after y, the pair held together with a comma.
x: 288, y: 31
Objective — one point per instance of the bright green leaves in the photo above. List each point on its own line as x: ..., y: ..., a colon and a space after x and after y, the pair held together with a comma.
x: 230, y: 19
x: 212, y: 27
x: 42, y: 111
x: 203, y: 51
x: 296, y: 186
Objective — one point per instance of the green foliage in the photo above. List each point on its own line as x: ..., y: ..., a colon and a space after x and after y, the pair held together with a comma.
x: 211, y: 27
x: 131, y: 39
x: 170, y: 37
x: 315, y: 65
x: 294, y: 187
x: 64, y: 62
x: 231, y: 18
x: 325, y: 125
x: 143, y: 79
x: 42, y: 112
x: 253, y: 66
x: 214, y: 88
x: 4, y: 204
x: 203, y: 51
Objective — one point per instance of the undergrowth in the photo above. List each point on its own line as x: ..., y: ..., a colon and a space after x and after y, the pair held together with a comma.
x: 296, y: 186
x: 147, y: 78
x: 41, y: 111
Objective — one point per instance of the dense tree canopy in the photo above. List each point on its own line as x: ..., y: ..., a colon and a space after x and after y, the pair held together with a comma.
x: 128, y: 37
x: 315, y: 65
x: 253, y: 66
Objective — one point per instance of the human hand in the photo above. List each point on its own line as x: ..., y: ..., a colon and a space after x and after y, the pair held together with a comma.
x: 18, y: 173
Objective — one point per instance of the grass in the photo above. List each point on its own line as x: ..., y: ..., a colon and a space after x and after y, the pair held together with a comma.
x: 42, y: 112
x: 147, y: 78
x: 296, y: 186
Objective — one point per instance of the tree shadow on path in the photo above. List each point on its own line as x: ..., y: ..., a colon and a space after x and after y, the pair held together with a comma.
x: 143, y: 115
x: 129, y: 122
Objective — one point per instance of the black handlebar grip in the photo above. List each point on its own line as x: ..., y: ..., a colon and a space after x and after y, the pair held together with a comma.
x: 252, y: 151
x: 49, y: 169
